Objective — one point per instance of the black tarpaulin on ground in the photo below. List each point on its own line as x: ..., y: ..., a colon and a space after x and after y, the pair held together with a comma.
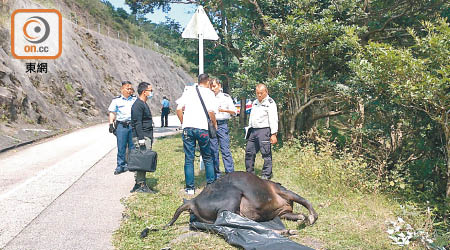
x: 248, y: 234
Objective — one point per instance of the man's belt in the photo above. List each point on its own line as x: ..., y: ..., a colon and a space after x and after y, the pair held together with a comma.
x: 124, y: 123
x: 220, y: 122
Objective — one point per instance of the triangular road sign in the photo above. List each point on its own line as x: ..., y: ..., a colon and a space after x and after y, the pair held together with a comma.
x: 200, y: 25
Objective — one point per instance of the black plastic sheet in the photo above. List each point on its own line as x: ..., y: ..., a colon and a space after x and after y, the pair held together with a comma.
x: 248, y: 234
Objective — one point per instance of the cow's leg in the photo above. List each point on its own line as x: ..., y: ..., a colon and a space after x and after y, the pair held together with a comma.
x: 289, y: 195
x: 233, y: 202
x: 286, y: 232
x: 293, y: 216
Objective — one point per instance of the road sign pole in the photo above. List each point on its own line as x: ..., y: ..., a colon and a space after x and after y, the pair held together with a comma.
x: 200, y: 27
x: 200, y: 54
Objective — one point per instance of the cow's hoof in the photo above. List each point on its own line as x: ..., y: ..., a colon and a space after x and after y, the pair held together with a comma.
x: 312, y: 218
x: 286, y: 232
x: 301, y: 219
x: 292, y: 232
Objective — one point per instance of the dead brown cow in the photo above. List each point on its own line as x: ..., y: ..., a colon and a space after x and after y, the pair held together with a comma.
x: 249, y: 196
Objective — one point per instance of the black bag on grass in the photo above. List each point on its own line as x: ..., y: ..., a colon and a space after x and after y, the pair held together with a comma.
x: 142, y: 160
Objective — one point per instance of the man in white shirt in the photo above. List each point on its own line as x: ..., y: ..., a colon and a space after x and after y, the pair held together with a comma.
x: 226, y: 110
x: 263, y: 131
x: 195, y: 129
x: 120, y: 124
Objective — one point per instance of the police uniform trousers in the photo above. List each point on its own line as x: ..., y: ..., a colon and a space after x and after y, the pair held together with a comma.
x: 139, y: 176
x: 223, y: 141
x: 165, y: 117
x: 259, y: 140
x: 124, y: 139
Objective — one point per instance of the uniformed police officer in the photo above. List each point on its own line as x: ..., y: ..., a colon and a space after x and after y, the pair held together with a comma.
x: 226, y: 110
x: 262, y: 133
x: 120, y: 124
x: 165, y: 110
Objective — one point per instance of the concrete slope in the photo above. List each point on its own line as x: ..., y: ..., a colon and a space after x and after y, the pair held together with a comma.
x: 79, y: 85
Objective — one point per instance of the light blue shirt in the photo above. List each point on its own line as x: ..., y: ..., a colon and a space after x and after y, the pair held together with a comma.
x: 122, y: 107
x: 165, y: 103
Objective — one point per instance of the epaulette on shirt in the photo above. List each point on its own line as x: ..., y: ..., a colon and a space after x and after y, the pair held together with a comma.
x: 227, y: 95
x: 115, y: 97
x: 270, y: 100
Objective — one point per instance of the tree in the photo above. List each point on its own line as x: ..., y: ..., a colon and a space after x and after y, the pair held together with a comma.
x: 417, y: 77
x: 122, y: 13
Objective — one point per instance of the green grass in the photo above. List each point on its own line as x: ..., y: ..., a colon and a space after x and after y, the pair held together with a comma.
x: 351, y: 216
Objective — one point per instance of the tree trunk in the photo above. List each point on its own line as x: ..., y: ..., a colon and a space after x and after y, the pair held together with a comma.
x: 447, y: 138
x: 447, y: 147
x: 357, y: 136
x: 242, y: 115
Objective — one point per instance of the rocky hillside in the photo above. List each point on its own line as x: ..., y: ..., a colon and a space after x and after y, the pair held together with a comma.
x: 79, y: 85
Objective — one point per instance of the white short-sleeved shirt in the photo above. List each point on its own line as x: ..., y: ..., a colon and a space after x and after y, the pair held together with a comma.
x: 122, y: 107
x: 194, y: 116
x: 264, y: 115
x: 225, y: 102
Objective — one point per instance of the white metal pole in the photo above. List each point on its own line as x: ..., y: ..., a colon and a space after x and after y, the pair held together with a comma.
x: 200, y: 54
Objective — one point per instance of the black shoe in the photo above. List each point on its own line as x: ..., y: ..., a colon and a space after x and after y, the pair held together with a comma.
x: 119, y: 170
x: 143, y: 188
x: 136, y: 187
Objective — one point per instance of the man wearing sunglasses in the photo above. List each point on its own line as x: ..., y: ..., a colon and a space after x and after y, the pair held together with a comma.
x: 120, y: 124
x: 142, y: 124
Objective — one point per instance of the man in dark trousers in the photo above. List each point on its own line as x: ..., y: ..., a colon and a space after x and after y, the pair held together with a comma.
x: 120, y: 124
x: 165, y: 112
x: 141, y: 122
x: 262, y: 133
x: 195, y: 129
x: 226, y: 110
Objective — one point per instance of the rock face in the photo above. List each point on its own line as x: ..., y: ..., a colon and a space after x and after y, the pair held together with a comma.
x: 78, y: 86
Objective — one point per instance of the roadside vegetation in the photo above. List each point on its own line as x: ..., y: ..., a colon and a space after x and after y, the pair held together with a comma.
x: 353, y: 213
x: 369, y: 77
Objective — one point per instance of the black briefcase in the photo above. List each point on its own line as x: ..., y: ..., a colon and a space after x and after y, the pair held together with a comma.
x: 142, y: 160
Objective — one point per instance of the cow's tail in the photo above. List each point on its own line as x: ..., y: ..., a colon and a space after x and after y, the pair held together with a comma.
x: 187, y: 205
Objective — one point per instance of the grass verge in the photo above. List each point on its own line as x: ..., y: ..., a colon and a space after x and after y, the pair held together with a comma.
x: 348, y: 217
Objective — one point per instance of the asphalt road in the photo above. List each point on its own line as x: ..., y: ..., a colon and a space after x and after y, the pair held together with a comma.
x: 62, y: 194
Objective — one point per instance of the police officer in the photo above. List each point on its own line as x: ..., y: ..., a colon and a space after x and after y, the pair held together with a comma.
x: 262, y: 133
x: 165, y: 110
x: 226, y: 110
x: 120, y: 124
